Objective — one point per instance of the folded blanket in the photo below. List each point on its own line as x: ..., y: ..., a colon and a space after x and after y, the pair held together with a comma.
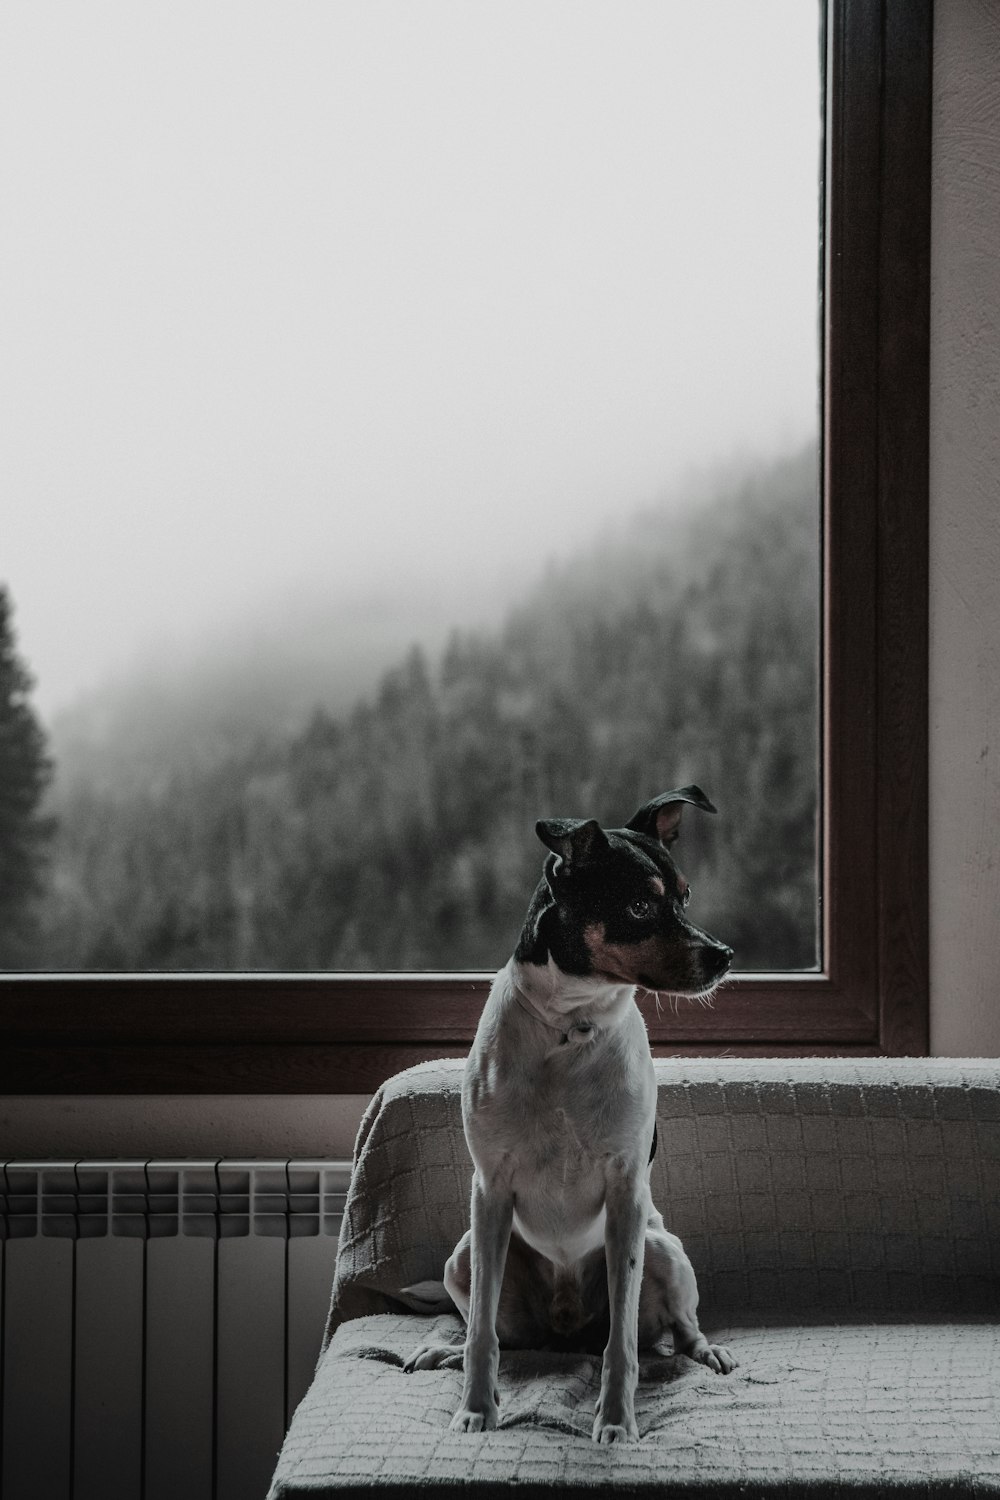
x: 804, y: 1187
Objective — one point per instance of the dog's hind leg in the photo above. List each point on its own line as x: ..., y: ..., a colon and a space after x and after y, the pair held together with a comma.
x: 438, y: 1356
x: 457, y: 1285
x: 520, y: 1323
x: 668, y: 1301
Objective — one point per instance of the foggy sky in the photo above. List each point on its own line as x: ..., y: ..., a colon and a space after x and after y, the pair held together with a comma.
x: 335, y: 296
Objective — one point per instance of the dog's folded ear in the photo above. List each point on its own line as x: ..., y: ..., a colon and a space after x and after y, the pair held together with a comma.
x: 577, y: 841
x: 661, y: 818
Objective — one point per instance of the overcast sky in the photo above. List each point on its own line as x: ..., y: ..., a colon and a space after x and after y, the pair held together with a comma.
x: 338, y: 295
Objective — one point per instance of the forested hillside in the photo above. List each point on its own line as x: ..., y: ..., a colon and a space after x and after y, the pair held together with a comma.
x: 398, y: 835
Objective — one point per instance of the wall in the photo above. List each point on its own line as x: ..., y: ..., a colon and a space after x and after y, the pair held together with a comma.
x: 964, y: 666
x: 65, y: 1126
x: 965, y: 532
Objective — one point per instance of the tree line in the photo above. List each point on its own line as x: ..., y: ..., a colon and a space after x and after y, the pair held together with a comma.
x: 400, y: 835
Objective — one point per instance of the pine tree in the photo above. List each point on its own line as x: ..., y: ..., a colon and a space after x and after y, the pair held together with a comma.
x: 24, y: 774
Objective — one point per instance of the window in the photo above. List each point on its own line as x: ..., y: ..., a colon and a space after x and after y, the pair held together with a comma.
x: 211, y: 1033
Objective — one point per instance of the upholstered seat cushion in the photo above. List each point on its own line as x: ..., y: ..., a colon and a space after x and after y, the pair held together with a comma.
x: 865, y: 1409
x: 843, y: 1219
x: 814, y: 1186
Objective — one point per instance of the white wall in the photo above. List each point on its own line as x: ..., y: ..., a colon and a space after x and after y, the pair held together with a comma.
x: 965, y: 532
x: 964, y: 666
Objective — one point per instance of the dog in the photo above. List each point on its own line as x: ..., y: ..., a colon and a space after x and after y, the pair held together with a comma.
x: 566, y: 1248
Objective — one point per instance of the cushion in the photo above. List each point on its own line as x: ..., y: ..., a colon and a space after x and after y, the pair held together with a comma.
x: 867, y: 1409
x: 852, y: 1186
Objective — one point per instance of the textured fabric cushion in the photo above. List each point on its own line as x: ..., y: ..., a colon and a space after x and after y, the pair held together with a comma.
x: 823, y: 1410
x: 802, y: 1185
x: 843, y: 1218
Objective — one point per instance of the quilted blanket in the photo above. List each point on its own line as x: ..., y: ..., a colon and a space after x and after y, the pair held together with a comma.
x: 813, y: 1185
x: 824, y: 1410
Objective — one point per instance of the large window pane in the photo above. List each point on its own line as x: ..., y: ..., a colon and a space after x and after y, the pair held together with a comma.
x: 412, y: 431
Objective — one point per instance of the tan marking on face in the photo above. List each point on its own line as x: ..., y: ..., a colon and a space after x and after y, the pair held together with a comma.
x: 622, y: 960
x: 656, y: 886
x: 665, y: 965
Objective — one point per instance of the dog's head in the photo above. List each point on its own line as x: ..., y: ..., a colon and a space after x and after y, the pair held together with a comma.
x: 613, y: 902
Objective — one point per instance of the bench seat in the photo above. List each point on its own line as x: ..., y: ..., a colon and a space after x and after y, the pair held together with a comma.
x: 843, y: 1218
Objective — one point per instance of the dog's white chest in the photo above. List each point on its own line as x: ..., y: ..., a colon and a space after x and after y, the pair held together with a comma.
x: 559, y: 1188
x: 552, y: 1120
x: 559, y: 1242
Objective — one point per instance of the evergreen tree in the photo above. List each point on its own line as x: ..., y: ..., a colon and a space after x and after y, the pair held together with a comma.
x: 24, y: 774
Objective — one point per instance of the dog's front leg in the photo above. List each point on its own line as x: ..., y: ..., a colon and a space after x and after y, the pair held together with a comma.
x: 492, y: 1211
x: 626, y: 1212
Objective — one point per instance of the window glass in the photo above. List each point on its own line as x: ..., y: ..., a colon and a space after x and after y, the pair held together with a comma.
x: 411, y: 432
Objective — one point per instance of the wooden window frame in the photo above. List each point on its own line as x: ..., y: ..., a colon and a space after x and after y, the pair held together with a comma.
x: 262, y: 1033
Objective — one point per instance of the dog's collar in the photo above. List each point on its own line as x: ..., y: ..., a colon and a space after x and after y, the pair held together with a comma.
x: 585, y: 1032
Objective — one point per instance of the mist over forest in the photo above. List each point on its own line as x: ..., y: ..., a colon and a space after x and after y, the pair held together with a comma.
x: 192, y: 704
x: 371, y: 805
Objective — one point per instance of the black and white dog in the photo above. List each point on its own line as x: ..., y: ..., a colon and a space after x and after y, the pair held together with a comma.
x: 566, y: 1247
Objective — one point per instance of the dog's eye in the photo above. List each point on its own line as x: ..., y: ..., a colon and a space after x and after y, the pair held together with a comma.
x: 640, y: 908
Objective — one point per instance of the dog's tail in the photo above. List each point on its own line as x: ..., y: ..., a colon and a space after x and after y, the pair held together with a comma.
x: 426, y: 1297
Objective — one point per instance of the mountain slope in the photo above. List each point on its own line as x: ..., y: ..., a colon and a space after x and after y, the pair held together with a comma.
x: 398, y: 834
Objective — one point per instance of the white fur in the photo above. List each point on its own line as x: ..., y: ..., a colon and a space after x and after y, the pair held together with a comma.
x: 559, y: 1104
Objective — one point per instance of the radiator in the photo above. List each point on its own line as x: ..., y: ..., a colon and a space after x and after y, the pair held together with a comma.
x: 160, y: 1321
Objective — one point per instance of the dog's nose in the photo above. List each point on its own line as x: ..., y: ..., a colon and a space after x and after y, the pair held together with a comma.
x: 718, y: 958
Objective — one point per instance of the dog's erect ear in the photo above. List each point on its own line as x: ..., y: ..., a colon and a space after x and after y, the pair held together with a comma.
x: 577, y: 841
x: 661, y: 818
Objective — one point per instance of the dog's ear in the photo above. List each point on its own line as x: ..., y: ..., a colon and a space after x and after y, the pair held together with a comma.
x: 661, y: 818
x: 576, y: 841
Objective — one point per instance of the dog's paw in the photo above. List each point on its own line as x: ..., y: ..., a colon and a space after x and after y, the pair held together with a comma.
x: 612, y: 1432
x: 614, y: 1422
x: 716, y: 1356
x: 467, y: 1419
x: 436, y: 1357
